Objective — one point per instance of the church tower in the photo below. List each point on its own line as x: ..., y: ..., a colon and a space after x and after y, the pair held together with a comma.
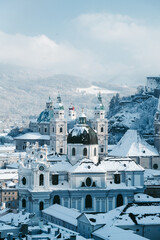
x: 100, y: 124
x: 157, y: 128
x: 58, y: 129
x: 71, y: 113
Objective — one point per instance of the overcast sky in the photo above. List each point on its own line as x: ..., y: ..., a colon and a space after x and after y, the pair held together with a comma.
x: 113, y: 40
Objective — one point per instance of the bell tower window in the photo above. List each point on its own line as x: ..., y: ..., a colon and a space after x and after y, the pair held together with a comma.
x: 41, y: 180
x: 102, y: 130
x: 73, y: 151
x: 95, y: 152
x: 24, y: 181
x: 85, y: 152
x: 61, y: 130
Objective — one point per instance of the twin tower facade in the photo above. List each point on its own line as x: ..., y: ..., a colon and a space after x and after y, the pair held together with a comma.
x: 53, y: 122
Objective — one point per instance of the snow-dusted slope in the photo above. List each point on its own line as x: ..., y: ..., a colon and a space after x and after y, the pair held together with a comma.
x: 135, y: 112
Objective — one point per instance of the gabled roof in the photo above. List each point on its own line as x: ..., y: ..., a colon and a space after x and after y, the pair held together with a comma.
x: 132, y: 144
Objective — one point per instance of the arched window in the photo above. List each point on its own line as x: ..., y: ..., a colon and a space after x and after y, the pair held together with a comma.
x: 102, y: 129
x: 85, y: 152
x: 24, y: 181
x: 95, y: 152
x: 119, y: 200
x: 41, y: 180
x: 23, y: 203
x: 56, y: 199
x: 73, y: 151
x: 41, y: 206
x: 88, y: 182
x: 61, y: 150
x: 88, y: 201
x: 61, y: 129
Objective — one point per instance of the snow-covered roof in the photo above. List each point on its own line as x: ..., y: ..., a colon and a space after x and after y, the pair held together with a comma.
x: 33, y: 136
x: 7, y: 148
x: 66, y: 214
x: 15, y: 218
x: 7, y: 174
x: 132, y: 144
x: 61, y: 166
x: 120, y: 164
x: 141, y: 197
x: 152, y: 177
x: 86, y: 166
x: 116, y: 233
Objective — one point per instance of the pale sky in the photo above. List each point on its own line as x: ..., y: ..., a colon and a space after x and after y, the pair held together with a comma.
x: 113, y: 40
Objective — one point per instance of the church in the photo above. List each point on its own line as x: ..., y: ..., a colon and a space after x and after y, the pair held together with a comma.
x: 81, y: 176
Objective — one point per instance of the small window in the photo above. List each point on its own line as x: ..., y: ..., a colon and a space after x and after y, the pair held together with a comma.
x: 41, y: 180
x: 119, y: 200
x: 88, y: 182
x: 102, y: 130
x: 95, y: 153
x: 85, y: 152
x: 53, y: 129
x: 23, y: 203
x: 61, y: 150
x: 56, y: 199
x: 73, y: 151
x: 55, y: 179
x: 61, y: 130
x: 41, y: 206
x: 88, y: 201
x: 117, y: 178
x: 101, y: 150
x: 9, y: 193
x: 155, y: 166
x: 24, y: 181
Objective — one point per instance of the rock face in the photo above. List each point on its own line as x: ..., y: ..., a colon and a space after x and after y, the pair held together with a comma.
x: 134, y: 112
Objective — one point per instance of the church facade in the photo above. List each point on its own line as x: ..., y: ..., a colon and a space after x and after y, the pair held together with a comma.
x: 79, y: 179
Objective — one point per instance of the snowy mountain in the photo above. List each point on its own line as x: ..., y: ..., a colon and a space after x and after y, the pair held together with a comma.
x: 134, y: 112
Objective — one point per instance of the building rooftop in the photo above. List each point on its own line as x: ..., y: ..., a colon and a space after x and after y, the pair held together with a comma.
x: 132, y: 144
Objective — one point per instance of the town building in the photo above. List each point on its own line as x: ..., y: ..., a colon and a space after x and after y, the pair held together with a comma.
x: 80, y: 180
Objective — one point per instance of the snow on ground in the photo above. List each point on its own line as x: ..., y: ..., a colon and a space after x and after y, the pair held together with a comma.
x: 94, y: 90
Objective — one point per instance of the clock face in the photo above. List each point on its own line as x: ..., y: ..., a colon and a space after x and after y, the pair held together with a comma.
x: 41, y: 168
